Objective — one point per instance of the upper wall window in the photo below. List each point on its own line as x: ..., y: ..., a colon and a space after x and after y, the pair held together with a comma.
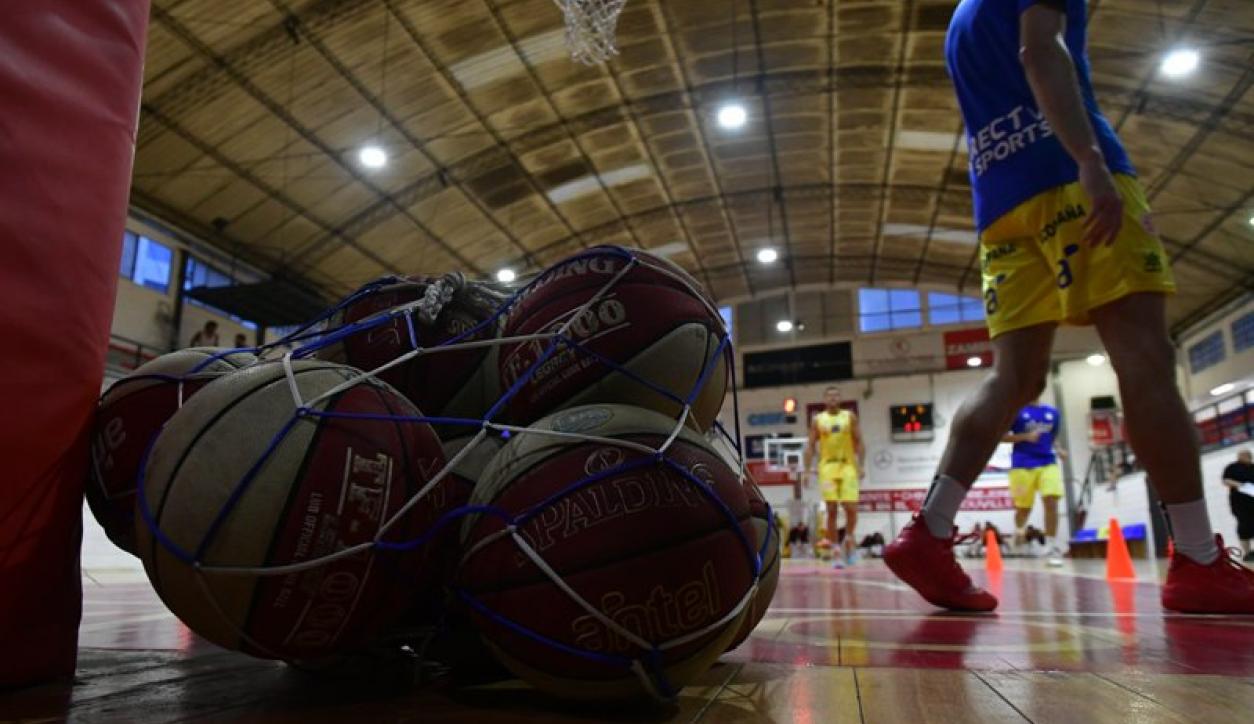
x: 952, y: 309
x: 1243, y: 333
x: 146, y: 262
x: 1207, y: 353
x: 881, y: 310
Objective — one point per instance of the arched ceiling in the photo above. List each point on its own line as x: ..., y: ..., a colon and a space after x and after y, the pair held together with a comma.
x: 504, y: 152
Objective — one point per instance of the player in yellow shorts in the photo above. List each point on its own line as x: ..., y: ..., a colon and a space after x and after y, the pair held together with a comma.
x: 834, y: 433
x: 1066, y: 236
x: 1037, y: 268
x: 1033, y: 469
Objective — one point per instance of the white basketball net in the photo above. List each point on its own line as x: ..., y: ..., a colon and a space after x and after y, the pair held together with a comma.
x: 590, y: 28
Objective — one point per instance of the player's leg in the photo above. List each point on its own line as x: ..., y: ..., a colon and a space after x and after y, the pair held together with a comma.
x: 832, y: 507
x: 1161, y: 431
x: 1023, y: 497
x: 1053, y: 549
x: 1021, y: 363
x: 851, y: 528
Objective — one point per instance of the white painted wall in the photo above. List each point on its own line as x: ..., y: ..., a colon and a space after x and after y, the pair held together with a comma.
x: 1237, y: 368
x: 1128, y: 500
x: 142, y: 314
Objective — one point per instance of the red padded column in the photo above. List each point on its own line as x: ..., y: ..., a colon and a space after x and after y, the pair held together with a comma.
x: 70, y: 79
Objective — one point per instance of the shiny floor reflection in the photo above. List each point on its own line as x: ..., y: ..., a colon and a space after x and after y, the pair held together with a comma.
x: 853, y: 645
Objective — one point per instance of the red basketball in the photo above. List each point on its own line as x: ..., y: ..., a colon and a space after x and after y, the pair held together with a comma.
x: 130, y: 414
x: 646, y: 548
x: 766, y: 542
x: 262, y: 580
x: 453, y: 383
x: 654, y: 321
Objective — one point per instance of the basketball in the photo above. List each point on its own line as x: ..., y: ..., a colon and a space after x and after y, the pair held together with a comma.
x: 455, y: 382
x: 652, y: 320
x: 658, y: 551
x: 766, y: 542
x: 128, y: 417
x: 250, y: 506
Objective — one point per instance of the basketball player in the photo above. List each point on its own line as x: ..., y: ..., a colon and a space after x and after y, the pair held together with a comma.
x: 1033, y: 468
x: 1065, y: 235
x: 834, y: 433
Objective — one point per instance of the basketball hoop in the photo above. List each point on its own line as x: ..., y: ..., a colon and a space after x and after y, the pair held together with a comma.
x: 590, y: 28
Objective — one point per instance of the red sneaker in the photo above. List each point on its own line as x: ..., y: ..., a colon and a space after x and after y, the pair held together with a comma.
x: 927, y: 563
x: 1225, y: 586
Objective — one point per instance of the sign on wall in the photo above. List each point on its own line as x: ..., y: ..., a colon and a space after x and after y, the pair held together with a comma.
x: 799, y: 365
x: 910, y: 500
x: 963, y: 344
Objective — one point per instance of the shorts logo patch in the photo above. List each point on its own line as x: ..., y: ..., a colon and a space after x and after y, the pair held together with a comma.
x: 1067, y: 214
x: 997, y: 252
x: 1153, y: 262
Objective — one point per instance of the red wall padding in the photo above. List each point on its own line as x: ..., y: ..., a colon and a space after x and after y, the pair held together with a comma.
x: 70, y: 79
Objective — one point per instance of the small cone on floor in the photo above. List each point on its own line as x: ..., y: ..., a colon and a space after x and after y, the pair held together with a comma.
x: 1118, y: 562
x: 992, y: 552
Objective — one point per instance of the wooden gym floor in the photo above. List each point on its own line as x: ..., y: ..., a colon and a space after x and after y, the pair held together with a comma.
x: 837, y: 646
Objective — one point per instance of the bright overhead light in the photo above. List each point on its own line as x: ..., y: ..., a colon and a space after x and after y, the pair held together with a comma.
x: 1223, y: 389
x: 974, y: 361
x: 784, y: 325
x: 1252, y: 221
x: 505, y: 276
x: 372, y: 157
x: 767, y: 255
x: 732, y: 116
x: 1096, y: 360
x: 1179, y: 63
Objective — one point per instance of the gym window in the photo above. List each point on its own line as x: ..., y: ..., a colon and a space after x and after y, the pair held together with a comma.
x: 1243, y: 333
x: 146, y: 262
x: 202, y: 274
x: 1207, y: 353
x: 882, y: 310
x: 952, y: 309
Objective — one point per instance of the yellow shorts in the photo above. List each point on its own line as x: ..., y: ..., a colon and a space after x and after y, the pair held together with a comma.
x: 838, y: 482
x: 1037, y: 268
x: 1025, y: 482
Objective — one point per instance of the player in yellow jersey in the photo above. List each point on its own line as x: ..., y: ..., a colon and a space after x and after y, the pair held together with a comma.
x: 834, y: 433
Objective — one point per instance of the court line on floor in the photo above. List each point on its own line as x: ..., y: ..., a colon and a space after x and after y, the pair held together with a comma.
x: 994, y: 615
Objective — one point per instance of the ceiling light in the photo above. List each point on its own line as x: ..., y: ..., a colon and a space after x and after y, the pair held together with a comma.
x: 1179, y: 63
x: 767, y: 255
x: 505, y: 276
x: 1252, y: 221
x: 1223, y: 389
x: 1096, y: 360
x: 372, y: 157
x: 974, y: 361
x: 732, y: 116
x: 784, y: 325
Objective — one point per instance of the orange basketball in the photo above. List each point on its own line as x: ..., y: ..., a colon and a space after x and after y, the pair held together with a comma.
x: 608, y: 572
x: 280, y: 530
x: 128, y: 418
x: 647, y: 335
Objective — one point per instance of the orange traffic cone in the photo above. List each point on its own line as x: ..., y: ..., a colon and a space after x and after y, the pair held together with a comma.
x: 992, y: 552
x: 1118, y: 562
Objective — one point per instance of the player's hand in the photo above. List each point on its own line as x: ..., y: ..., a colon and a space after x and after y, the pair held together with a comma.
x: 1062, y: 454
x: 861, y: 472
x: 1034, y: 436
x: 1105, y: 217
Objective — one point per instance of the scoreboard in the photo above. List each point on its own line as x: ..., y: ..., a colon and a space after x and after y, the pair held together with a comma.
x: 911, y: 422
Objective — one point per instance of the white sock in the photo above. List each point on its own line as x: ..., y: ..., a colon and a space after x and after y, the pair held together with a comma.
x: 1194, y: 537
x: 942, y: 503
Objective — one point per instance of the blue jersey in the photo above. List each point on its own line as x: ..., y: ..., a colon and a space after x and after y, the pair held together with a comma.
x: 1040, y: 453
x: 1014, y: 154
